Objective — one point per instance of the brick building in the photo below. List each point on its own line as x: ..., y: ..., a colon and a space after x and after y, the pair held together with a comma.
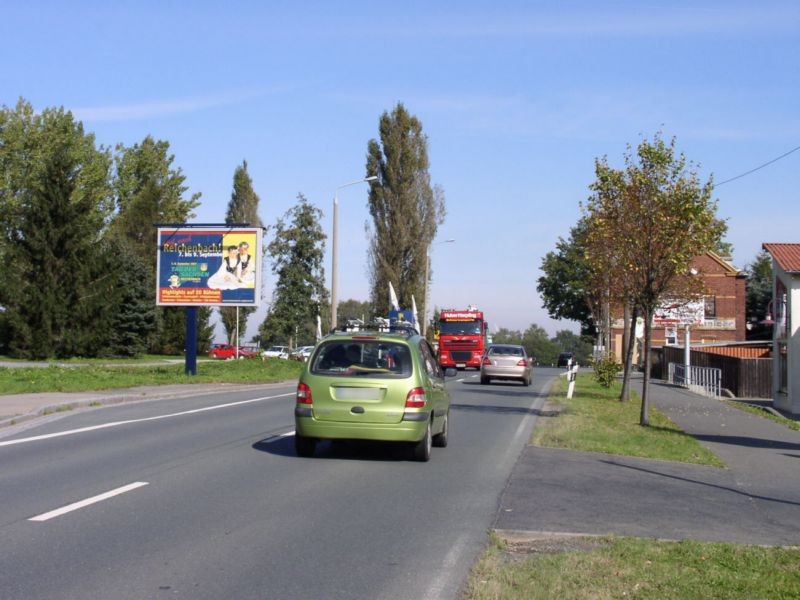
x: 724, y: 308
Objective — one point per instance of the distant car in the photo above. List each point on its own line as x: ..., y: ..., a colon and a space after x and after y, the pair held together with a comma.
x: 302, y: 353
x: 372, y: 385
x: 565, y: 359
x: 506, y: 361
x: 228, y: 351
x: 276, y: 352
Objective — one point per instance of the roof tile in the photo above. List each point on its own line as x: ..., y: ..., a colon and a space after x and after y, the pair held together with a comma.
x: 786, y: 255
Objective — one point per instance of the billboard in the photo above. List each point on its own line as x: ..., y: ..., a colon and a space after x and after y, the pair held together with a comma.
x: 209, y: 266
x: 680, y: 312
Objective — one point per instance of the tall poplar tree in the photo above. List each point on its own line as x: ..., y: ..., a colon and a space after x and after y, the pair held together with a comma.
x: 242, y: 208
x: 297, y: 252
x: 54, y: 202
x: 406, y: 210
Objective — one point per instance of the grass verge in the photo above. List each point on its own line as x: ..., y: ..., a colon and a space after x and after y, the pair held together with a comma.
x: 595, y: 421
x: 609, y: 567
x: 756, y: 410
x: 103, y: 377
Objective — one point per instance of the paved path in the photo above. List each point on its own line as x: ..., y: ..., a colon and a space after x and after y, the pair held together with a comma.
x: 756, y: 499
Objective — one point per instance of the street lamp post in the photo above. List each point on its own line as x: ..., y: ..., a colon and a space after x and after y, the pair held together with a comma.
x: 335, y: 248
x: 427, y: 271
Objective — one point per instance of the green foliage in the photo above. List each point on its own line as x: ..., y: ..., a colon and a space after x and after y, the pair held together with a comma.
x: 606, y: 370
x: 150, y: 189
x: 354, y: 309
x: 759, y: 294
x: 55, y: 201
x: 563, y: 285
x: 242, y: 208
x: 405, y: 210
x: 297, y: 251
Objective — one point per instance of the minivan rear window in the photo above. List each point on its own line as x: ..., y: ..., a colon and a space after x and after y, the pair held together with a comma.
x: 362, y: 358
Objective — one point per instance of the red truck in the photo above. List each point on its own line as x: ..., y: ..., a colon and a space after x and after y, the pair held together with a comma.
x: 462, y: 338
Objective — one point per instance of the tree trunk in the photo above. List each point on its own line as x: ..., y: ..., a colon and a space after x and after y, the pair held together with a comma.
x: 644, y: 417
x: 629, y: 346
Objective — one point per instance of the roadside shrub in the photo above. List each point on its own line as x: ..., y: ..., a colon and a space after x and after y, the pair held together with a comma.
x: 606, y: 370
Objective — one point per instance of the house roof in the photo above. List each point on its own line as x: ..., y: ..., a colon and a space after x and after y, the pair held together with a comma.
x: 786, y: 255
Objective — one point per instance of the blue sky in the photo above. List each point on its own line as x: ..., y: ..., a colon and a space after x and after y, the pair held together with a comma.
x: 517, y: 100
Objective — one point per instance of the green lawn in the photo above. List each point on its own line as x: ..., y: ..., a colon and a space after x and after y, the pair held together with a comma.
x: 632, y: 568
x: 103, y: 376
x: 610, y: 567
x: 595, y: 421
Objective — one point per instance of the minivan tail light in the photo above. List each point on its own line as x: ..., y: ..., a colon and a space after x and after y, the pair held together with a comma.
x: 522, y: 363
x: 415, y: 398
x: 303, y: 394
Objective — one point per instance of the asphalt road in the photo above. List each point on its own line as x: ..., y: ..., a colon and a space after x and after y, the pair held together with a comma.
x: 211, y: 502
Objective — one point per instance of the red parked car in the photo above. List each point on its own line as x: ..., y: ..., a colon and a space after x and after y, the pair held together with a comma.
x: 227, y: 351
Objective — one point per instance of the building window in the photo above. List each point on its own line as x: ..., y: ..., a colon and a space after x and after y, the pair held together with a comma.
x: 711, y: 307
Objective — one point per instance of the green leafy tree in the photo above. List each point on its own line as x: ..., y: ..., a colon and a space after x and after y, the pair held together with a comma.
x: 406, y: 210
x: 563, y: 285
x: 297, y: 252
x: 580, y: 346
x: 759, y: 295
x: 354, y: 309
x: 539, y: 345
x: 646, y: 224
x: 507, y: 336
x: 54, y: 203
x: 242, y: 208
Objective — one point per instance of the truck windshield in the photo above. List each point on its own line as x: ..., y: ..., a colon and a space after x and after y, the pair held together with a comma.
x: 460, y: 327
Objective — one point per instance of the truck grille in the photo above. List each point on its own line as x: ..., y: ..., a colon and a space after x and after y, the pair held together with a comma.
x: 460, y: 355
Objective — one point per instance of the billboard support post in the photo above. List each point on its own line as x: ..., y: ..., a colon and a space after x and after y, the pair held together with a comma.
x: 190, y: 367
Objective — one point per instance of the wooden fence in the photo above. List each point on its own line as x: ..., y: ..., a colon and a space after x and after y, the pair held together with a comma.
x: 743, y: 377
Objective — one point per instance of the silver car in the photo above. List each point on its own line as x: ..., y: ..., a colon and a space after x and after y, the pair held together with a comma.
x: 506, y: 361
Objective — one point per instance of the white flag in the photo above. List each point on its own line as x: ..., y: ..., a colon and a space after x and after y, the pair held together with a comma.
x: 414, y: 317
x: 393, y: 303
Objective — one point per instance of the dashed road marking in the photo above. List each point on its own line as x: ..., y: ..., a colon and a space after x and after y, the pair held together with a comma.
x: 89, y: 501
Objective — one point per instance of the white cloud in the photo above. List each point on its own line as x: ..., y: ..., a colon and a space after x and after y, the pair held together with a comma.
x: 169, y: 107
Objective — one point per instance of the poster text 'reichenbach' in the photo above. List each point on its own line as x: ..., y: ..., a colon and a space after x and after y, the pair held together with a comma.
x: 193, y: 250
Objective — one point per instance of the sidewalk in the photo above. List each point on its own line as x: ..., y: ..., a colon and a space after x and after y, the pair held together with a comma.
x: 18, y: 408
x: 755, y: 500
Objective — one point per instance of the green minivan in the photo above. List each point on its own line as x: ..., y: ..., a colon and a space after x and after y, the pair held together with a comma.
x: 383, y: 386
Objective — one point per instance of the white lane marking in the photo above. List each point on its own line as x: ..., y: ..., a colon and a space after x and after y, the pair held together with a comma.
x: 83, y: 503
x: 142, y: 420
x: 459, y: 380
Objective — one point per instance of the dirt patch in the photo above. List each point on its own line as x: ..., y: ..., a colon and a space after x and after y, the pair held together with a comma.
x: 528, y: 544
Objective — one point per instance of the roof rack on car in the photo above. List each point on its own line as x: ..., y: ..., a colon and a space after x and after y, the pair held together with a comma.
x: 379, y: 325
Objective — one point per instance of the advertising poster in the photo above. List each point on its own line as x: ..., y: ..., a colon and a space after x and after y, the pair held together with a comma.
x: 209, y: 266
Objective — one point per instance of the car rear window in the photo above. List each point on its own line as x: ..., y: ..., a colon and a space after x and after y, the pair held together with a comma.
x: 362, y: 358
x: 505, y: 351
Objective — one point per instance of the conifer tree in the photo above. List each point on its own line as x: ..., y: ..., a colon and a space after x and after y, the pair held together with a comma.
x: 242, y: 208
x: 297, y: 250
x: 54, y: 201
